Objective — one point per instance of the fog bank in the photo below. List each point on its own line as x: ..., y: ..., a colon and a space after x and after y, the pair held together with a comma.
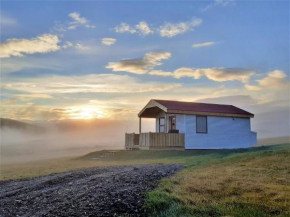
x: 65, y: 139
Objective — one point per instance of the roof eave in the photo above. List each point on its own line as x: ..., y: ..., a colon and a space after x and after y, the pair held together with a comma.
x: 211, y: 114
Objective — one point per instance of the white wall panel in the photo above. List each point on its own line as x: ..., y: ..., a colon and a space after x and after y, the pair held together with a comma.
x: 223, y: 132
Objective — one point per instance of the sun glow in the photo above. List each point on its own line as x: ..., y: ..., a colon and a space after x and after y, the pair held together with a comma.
x: 85, y: 113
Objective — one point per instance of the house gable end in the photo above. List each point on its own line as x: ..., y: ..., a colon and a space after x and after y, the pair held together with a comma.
x: 151, y: 104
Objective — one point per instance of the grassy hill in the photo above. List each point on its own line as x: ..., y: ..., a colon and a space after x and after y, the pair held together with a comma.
x: 273, y: 141
x: 255, y: 183
x: 19, y: 125
x: 236, y: 182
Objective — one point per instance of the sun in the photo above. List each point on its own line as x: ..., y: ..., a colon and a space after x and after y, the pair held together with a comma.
x: 85, y: 113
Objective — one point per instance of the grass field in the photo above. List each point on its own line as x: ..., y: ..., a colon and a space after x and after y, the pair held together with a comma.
x: 256, y: 183
x: 240, y: 182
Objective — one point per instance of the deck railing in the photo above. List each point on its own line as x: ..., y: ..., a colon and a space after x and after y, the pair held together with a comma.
x: 131, y: 139
x: 162, y: 140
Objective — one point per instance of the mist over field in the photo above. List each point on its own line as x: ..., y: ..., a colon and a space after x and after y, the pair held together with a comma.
x: 64, y: 139
x: 48, y: 140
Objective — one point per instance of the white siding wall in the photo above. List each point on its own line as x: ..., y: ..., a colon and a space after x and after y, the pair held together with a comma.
x: 223, y: 132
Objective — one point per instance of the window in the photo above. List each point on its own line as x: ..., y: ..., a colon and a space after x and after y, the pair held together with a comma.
x: 161, y: 125
x: 201, y: 124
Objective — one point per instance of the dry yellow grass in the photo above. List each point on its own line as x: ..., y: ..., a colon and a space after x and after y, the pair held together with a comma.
x: 248, y: 185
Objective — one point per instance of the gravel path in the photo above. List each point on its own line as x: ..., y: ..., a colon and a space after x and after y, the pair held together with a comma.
x: 100, y: 191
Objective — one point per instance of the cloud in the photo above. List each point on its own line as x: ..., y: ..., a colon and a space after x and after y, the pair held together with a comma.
x: 167, y: 30
x: 80, y: 46
x: 205, y: 44
x: 18, y: 47
x: 9, y: 101
x: 216, y: 74
x: 67, y: 45
x: 59, y: 27
x: 161, y: 73
x: 219, y: 3
x: 93, y: 83
x: 30, y: 112
x: 24, y: 98
x: 142, y: 65
x: 125, y: 28
x: 143, y: 28
x: 172, y: 29
x: 7, y: 21
x: 238, y: 100
x: 72, y: 27
x: 108, y: 41
x: 276, y: 80
x: 151, y: 60
x: 252, y: 87
x: 78, y: 21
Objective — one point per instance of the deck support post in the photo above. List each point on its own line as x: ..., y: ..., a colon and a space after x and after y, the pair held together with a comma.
x: 140, y: 125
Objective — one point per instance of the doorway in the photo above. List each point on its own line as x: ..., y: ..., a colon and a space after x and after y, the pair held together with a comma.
x: 172, y: 122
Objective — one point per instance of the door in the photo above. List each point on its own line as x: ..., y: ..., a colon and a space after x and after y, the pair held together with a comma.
x: 172, y: 122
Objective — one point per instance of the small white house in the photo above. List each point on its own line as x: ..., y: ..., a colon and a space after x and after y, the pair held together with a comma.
x: 190, y: 125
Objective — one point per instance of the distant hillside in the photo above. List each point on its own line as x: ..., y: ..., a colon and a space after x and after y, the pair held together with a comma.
x: 274, y: 141
x: 19, y: 125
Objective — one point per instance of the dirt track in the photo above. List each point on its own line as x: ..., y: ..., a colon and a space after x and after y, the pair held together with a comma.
x: 110, y: 191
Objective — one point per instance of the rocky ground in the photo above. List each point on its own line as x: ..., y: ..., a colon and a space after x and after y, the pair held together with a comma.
x: 107, y: 191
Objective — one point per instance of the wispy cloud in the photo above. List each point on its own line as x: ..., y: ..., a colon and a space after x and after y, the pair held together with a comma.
x: 172, y: 29
x: 125, y: 28
x: 204, y: 44
x: 67, y: 45
x: 108, y: 41
x: 252, y: 87
x: 161, y: 73
x: 79, y: 21
x: 7, y: 21
x: 215, y: 74
x: 220, y: 3
x: 80, y: 46
x: 93, y: 83
x: 18, y: 47
x: 167, y: 30
x: 142, y: 28
x: 142, y: 65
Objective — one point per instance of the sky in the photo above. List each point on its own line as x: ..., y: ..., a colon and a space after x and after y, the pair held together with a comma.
x: 63, y: 60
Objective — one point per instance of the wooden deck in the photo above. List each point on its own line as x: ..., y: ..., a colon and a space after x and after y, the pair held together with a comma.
x: 154, y: 141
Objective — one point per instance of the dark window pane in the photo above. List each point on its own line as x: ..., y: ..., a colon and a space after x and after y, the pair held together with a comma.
x: 201, y: 124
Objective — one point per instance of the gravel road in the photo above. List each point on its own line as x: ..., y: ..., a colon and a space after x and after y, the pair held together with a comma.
x: 99, y: 191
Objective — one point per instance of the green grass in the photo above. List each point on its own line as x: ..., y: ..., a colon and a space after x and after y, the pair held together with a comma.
x: 238, y: 182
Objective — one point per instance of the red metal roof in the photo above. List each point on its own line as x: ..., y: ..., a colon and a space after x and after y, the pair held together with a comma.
x: 202, y: 107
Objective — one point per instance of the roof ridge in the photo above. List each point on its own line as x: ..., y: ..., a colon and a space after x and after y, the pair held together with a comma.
x: 193, y: 102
